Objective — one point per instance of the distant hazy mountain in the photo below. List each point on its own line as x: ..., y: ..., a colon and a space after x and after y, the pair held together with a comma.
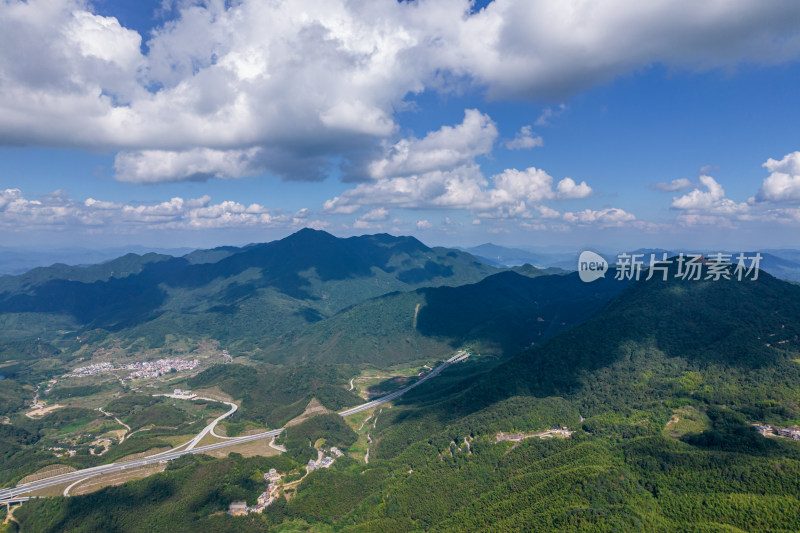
x: 777, y: 265
x: 781, y: 267
x: 785, y: 253
x: 781, y: 263
x: 502, y: 256
x: 17, y: 260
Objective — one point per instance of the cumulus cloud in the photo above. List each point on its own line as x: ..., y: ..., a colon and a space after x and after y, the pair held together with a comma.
x: 695, y: 219
x: 512, y: 185
x: 783, y: 183
x: 712, y: 200
x: 568, y: 189
x: 509, y: 194
x: 440, y: 172
x: 424, y: 224
x: 309, y: 83
x: 610, y: 217
x: 59, y: 211
x: 550, y: 48
x: 338, y: 206
x: 155, y: 166
x: 708, y: 205
x: 524, y: 139
x: 672, y: 186
x: 372, y: 219
x: 443, y: 149
x: 457, y: 188
x: 376, y: 214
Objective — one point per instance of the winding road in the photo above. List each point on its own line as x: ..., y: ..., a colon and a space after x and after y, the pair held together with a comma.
x: 210, y: 428
x: 15, y: 494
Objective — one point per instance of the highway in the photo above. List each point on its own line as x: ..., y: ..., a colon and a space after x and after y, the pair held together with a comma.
x: 210, y: 428
x: 460, y: 356
x: 13, y: 493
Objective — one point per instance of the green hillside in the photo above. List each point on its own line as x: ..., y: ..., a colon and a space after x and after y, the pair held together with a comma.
x: 501, y: 314
x: 234, y: 295
x: 659, y: 388
x: 272, y: 396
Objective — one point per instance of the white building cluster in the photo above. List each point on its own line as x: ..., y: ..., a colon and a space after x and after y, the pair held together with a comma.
x: 91, y: 370
x: 154, y: 369
x: 325, y: 462
x: 141, y: 369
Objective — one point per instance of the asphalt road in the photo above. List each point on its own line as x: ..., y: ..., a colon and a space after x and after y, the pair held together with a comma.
x: 86, y: 473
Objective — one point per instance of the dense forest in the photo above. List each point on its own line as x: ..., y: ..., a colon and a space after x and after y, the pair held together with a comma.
x: 660, y: 390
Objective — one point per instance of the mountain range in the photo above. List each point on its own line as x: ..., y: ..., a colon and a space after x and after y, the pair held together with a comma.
x: 226, y: 292
x: 657, y: 382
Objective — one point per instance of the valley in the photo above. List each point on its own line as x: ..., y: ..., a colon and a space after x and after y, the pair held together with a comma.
x: 511, y: 396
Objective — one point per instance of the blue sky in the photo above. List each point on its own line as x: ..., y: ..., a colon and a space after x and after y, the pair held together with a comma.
x: 609, y: 124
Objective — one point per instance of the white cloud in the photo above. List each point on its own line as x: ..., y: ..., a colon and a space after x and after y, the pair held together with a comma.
x: 443, y: 149
x: 155, y: 166
x: 530, y: 185
x: 105, y: 39
x: 463, y: 187
x: 693, y: 219
x: 783, y: 183
x: 524, y: 139
x: 548, y: 212
x: 550, y: 113
x: 712, y: 200
x: 372, y: 219
x: 58, y: 211
x: 309, y: 81
x: 317, y: 224
x: 610, y: 217
x: 424, y: 224
x: 568, y: 189
x: 672, y: 186
x: 457, y: 188
x: 511, y: 194
x: 376, y: 214
x: 99, y: 204
x: 498, y: 229
x: 337, y: 205
x: 553, y: 47
x: 9, y: 196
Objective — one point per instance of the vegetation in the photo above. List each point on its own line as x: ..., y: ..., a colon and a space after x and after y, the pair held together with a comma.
x: 660, y: 388
x: 228, y: 294
x: 502, y: 314
x: 190, y: 496
x: 272, y: 396
x: 300, y: 439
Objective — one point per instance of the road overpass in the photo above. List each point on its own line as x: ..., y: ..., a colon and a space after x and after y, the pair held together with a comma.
x: 14, y: 494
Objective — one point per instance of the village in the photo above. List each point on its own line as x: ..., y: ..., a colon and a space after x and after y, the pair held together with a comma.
x: 266, y: 498
x: 141, y: 369
x: 790, y: 432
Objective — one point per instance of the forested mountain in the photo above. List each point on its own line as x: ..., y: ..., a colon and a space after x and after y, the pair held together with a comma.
x: 728, y: 342
x: 227, y: 293
x: 501, y: 315
x: 660, y: 383
x: 669, y: 376
x: 659, y: 387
